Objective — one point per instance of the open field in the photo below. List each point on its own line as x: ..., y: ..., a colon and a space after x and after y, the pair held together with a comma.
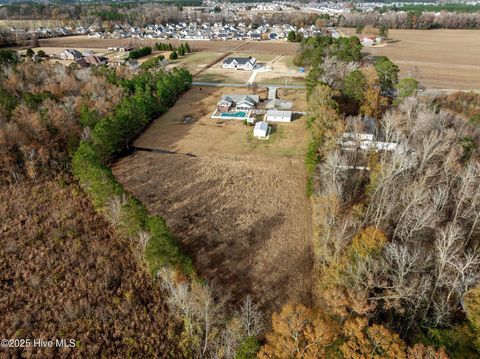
x: 239, y: 207
x: 218, y: 74
x: 196, y: 61
x: 276, y: 47
x: 284, y: 72
x: 443, y: 59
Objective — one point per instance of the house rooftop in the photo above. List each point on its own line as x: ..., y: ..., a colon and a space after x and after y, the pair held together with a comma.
x: 240, y: 60
x: 254, y: 99
x: 261, y: 126
x: 278, y: 113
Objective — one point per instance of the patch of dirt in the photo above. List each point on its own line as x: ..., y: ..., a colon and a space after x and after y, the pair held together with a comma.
x: 244, y: 219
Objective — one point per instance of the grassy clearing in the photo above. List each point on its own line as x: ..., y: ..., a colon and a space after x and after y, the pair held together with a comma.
x: 287, y: 60
x: 281, y: 80
x: 216, y: 77
x: 196, y: 61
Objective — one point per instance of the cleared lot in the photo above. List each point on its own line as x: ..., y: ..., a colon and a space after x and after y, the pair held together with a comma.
x: 277, y: 47
x: 443, y: 59
x: 239, y: 208
x: 283, y: 72
x: 197, y: 61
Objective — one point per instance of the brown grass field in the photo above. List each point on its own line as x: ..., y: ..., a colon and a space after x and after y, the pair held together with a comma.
x: 239, y: 207
x: 65, y: 273
x: 443, y: 59
x: 276, y: 47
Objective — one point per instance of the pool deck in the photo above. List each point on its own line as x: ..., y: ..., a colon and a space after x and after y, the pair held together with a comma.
x: 234, y: 115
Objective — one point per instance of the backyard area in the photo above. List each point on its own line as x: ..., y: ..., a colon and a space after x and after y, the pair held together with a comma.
x: 237, y: 204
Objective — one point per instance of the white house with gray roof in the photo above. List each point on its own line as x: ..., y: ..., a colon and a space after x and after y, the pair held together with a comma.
x: 237, y: 102
x: 239, y: 63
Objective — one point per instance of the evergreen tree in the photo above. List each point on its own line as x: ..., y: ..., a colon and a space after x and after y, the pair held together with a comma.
x: 173, y: 55
x: 291, y: 36
x: 181, y: 51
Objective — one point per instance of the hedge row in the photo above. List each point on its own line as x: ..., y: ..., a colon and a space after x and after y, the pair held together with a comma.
x: 148, y: 95
x: 140, y: 52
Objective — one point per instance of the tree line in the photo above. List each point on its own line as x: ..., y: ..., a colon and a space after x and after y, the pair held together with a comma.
x: 56, y: 119
x: 412, y: 20
x: 397, y: 234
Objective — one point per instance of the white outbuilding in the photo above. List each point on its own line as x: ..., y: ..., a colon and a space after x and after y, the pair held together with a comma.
x: 278, y: 116
x: 260, y: 130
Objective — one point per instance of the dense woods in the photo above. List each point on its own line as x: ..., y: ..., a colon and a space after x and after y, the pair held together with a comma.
x: 44, y: 110
x: 397, y: 232
x: 79, y: 133
x: 66, y: 273
x: 136, y: 14
x: 48, y: 114
x: 420, y: 20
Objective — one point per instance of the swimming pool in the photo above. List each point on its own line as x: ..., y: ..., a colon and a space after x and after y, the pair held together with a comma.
x: 239, y: 114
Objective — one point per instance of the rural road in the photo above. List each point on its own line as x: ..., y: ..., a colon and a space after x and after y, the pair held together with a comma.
x: 221, y: 84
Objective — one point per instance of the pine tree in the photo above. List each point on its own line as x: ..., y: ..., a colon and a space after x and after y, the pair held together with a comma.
x: 181, y: 50
x: 173, y: 55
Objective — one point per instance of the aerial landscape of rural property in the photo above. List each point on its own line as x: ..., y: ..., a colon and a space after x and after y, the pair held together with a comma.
x: 240, y: 179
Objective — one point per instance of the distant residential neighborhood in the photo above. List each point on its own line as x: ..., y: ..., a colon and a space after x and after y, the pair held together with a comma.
x: 180, y: 31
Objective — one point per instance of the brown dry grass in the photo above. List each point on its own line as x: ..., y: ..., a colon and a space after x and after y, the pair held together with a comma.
x: 218, y: 74
x: 64, y: 273
x: 262, y: 47
x: 239, y: 208
x: 446, y: 59
x: 283, y: 72
x: 205, y: 135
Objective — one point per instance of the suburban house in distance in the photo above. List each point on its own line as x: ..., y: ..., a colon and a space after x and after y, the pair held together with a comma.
x: 236, y: 107
x: 70, y: 54
x: 239, y: 63
x: 91, y: 60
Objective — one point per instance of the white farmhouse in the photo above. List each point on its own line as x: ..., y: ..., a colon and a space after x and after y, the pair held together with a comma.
x: 239, y: 63
x: 260, y: 130
x: 278, y: 116
x: 237, y: 102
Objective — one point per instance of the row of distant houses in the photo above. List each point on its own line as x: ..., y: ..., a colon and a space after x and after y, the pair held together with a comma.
x: 181, y: 30
x: 216, y: 31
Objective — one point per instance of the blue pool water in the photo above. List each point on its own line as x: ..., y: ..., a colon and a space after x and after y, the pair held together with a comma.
x: 234, y: 114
